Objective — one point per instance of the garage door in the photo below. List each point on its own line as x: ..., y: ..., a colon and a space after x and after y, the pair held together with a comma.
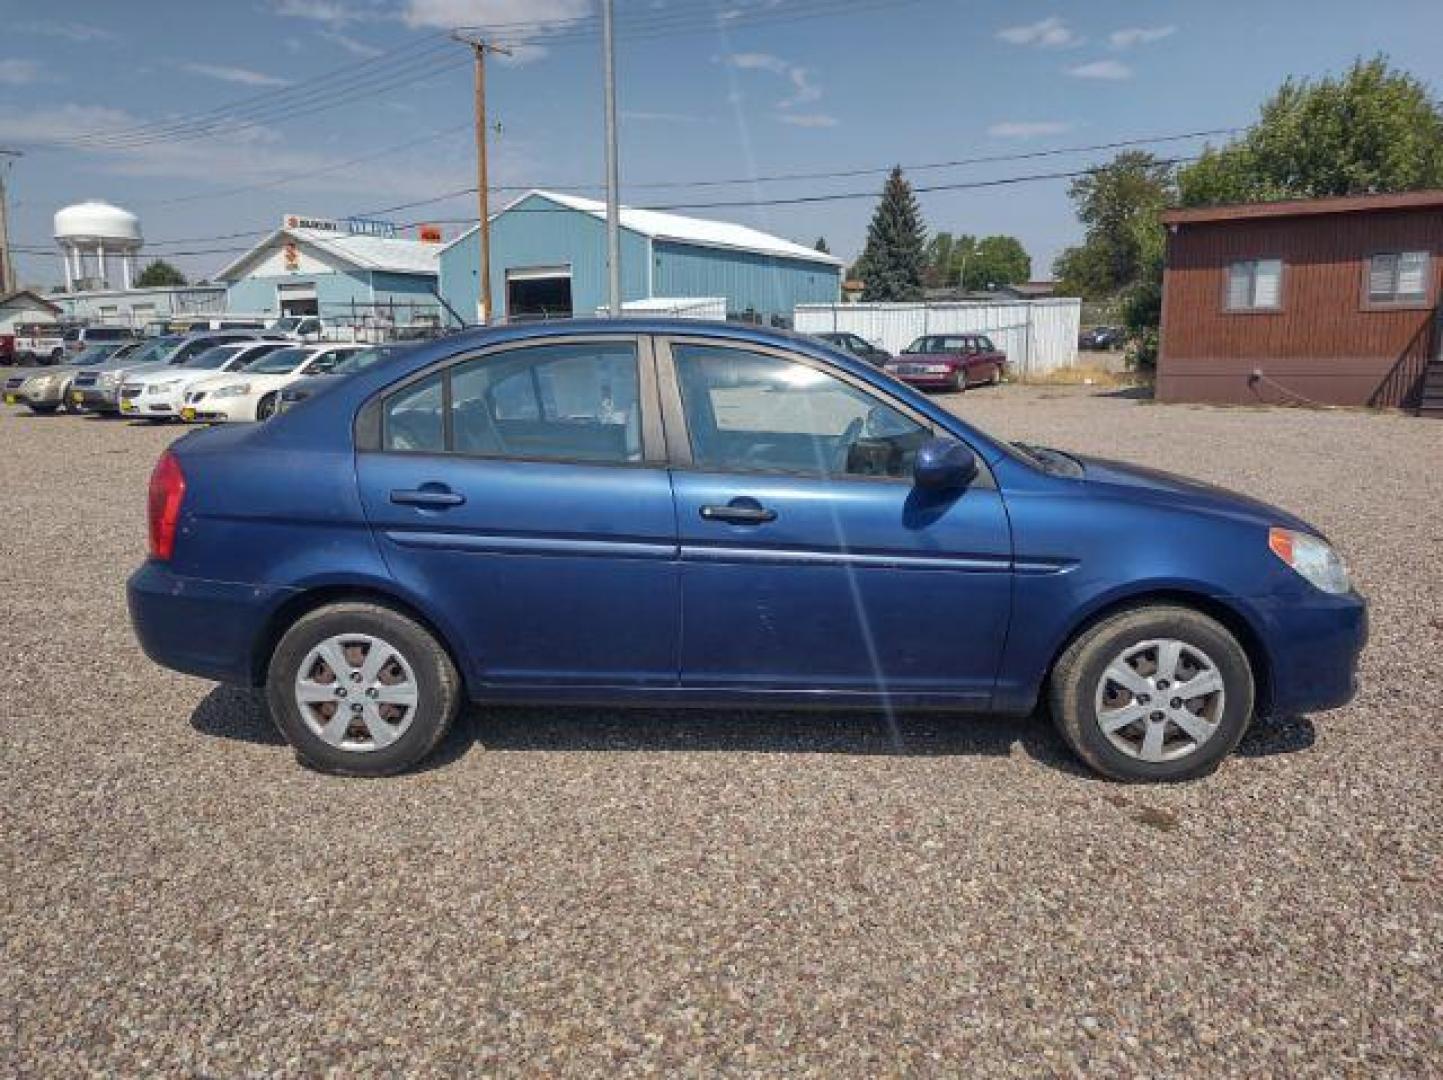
x: 538, y: 292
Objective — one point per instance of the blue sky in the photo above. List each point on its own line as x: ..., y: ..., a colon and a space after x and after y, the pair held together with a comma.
x: 860, y: 88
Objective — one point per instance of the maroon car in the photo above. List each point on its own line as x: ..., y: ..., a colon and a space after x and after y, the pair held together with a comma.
x: 950, y: 362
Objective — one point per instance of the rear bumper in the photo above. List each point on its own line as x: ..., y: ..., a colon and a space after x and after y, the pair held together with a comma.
x: 200, y: 627
x: 1314, y: 648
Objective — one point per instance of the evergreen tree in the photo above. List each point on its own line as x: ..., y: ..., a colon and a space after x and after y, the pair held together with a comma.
x: 821, y: 245
x: 891, y: 265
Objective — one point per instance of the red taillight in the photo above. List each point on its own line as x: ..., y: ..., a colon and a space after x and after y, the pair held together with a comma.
x: 167, y: 490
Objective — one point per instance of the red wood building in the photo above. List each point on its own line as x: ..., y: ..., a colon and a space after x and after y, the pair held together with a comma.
x: 1320, y: 300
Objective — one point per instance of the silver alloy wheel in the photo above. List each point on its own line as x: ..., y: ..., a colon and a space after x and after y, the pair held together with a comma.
x: 357, y: 692
x: 1160, y: 700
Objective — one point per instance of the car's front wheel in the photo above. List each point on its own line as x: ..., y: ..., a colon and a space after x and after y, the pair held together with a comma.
x: 1156, y: 693
x: 959, y: 380
x: 361, y: 690
x: 266, y: 407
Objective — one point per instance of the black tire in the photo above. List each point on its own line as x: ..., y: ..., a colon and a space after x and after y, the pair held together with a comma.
x: 44, y: 410
x: 959, y: 381
x: 1078, y: 673
x: 266, y: 408
x: 439, y: 685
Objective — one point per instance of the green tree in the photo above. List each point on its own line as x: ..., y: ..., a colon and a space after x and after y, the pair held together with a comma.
x: 1123, y: 243
x: 997, y: 260
x: 1374, y: 129
x: 159, y: 272
x: 892, y: 262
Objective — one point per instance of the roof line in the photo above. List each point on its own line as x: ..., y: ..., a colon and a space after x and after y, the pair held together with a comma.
x: 1331, y: 204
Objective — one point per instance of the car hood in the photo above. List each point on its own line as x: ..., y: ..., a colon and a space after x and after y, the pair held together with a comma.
x: 1139, y: 482
x: 228, y: 378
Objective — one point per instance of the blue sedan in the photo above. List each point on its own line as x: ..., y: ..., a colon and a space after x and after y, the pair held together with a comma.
x: 665, y: 512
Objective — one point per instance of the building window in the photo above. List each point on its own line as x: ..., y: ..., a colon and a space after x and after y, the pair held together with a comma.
x: 1398, y: 277
x: 1255, y: 285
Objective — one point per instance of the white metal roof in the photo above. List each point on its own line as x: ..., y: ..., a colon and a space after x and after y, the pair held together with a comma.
x: 384, y: 253
x: 686, y: 230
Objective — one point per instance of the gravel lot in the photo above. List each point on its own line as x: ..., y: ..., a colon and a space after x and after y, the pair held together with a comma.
x: 702, y: 893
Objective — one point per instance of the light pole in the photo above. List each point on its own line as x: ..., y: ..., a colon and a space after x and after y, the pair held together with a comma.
x: 613, y: 208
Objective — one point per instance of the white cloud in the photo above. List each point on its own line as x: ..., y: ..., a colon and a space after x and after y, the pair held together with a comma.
x: 495, y: 14
x: 331, y: 12
x: 351, y: 45
x: 804, y: 90
x: 1027, y: 129
x: 70, y: 31
x: 1101, y: 69
x: 244, y: 76
x: 1049, y: 33
x: 808, y: 120
x: 20, y: 72
x: 1130, y: 36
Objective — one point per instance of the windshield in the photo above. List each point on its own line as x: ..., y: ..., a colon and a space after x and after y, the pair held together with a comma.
x: 94, y: 355
x: 280, y: 362
x: 212, y: 358
x: 153, y: 350
x: 359, y: 361
x: 286, y: 325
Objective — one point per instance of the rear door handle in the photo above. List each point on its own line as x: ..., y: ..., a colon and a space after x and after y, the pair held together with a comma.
x: 428, y: 496
x: 740, y: 512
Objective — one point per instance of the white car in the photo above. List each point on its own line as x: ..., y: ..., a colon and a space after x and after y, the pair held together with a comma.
x: 252, y: 394
x: 159, y: 393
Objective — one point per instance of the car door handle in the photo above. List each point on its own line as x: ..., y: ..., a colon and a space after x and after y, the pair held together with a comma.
x: 428, y: 496
x: 740, y: 512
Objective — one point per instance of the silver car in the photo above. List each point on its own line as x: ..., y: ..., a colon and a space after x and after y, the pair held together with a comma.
x: 45, y: 391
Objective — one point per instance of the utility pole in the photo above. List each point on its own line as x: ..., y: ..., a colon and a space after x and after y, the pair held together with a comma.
x: 7, y: 264
x: 613, y: 172
x: 479, y: 48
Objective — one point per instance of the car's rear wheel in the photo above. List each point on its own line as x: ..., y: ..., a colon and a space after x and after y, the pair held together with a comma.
x: 361, y: 690
x: 1156, y: 693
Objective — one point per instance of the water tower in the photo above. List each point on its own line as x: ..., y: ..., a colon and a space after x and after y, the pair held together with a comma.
x: 92, y: 232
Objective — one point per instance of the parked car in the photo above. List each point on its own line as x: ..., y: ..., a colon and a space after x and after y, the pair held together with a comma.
x: 47, y: 391
x: 857, y: 346
x: 300, y: 327
x: 950, y: 362
x: 80, y: 338
x: 359, y: 360
x: 39, y: 343
x: 1102, y: 337
x: 254, y: 393
x: 159, y: 393
x: 649, y: 512
x: 99, y: 390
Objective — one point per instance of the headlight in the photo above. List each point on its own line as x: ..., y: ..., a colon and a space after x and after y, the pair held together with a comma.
x: 1312, y: 557
x: 234, y: 390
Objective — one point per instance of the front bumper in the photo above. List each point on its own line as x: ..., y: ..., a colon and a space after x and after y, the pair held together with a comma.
x: 96, y: 398
x: 200, y: 627
x: 1314, y: 646
x: 929, y: 381
x: 161, y: 406
x: 48, y: 398
x: 213, y: 410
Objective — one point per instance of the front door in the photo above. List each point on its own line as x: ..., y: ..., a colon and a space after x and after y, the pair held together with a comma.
x: 809, y: 561
x: 523, y: 496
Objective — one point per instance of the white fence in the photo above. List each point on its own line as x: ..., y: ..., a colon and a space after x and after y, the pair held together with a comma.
x: 1037, y: 335
x: 691, y: 307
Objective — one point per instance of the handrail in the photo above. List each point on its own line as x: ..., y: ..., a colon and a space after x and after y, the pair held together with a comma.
x: 1402, y: 387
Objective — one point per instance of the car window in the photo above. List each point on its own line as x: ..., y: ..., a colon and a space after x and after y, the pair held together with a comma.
x: 985, y: 344
x: 412, y: 420
x: 325, y: 362
x: 749, y: 411
x: 280, y: 362
x: 573, y: 402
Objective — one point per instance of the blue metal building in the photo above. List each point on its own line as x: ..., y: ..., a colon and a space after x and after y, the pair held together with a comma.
x: 548, y: 260
x: 310, y: 267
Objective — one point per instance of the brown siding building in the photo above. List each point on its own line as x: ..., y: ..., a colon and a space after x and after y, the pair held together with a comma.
x: 1323, y: 300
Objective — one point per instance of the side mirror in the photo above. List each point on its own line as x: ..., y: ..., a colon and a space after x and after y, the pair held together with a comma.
x: 944, y: 465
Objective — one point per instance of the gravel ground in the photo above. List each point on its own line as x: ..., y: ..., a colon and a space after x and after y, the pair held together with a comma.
x: 703, y: 893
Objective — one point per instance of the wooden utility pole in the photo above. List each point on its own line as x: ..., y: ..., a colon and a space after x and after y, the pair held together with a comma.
x: 7, y: 264
x: 479, y: 48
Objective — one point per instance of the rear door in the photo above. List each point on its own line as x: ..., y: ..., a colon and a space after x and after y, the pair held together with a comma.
x: 522, y: 494
x: 809, y: 561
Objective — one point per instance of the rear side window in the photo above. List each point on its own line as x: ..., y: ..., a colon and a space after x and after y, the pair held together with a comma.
x: 413, y: 419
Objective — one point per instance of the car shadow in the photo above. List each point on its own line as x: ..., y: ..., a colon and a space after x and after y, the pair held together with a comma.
x: 1128, y: 393
x: 241, y: 714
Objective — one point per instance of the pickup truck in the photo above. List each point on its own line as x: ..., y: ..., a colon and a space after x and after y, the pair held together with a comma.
x: 39, y: 343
